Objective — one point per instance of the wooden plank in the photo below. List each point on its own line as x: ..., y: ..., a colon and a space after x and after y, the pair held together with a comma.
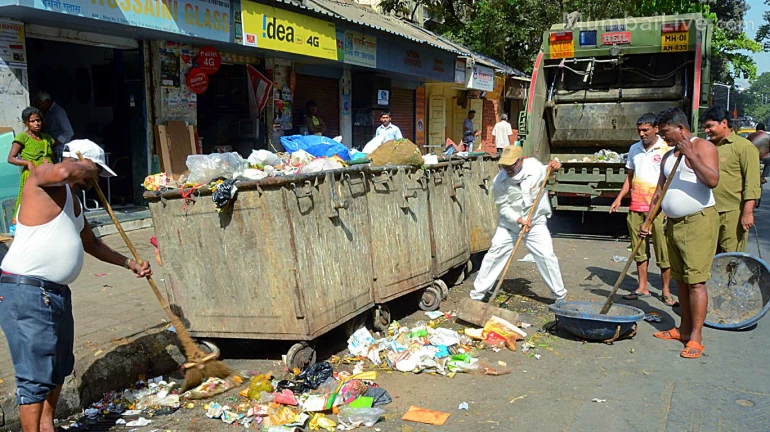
x: 180, y: 145
x: 161, y: 147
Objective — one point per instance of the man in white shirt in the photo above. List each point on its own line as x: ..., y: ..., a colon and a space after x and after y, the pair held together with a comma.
x: 502, y: 133
x: 391, y: 131
x: 643, y: 166
x: 515, y: 189
x: 55, y: 123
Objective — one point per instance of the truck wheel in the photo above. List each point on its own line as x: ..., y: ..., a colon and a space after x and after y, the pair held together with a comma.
x: 442, y: 288
x: 301, y: 356
x: 431, y: 299
x: 381, y: 318
x: 208, y: 347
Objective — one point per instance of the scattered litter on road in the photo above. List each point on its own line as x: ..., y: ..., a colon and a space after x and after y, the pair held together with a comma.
x: 598, y: 400
x: 653, y: 317
x: 463, y: 406
x: 100, y: 274
x: 426, y: 416
x: 518, y: 398
x: 434, y: 314
x: 618, y: 258
x: 528, y: 258
x: 140, y: 422
x: 537, y: 356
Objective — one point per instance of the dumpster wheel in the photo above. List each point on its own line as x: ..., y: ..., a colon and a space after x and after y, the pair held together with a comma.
x: 431, y: 299
x: 442, y: 288
x: 456, y: 276
x: 301, y: 355
x: 381, y: 318
x: 208, y: 347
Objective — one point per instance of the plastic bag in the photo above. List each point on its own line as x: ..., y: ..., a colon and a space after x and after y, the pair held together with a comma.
x: 259, y: 384
x: 318, y: 165
x: 359, y: 416
x: 254, y: 174
x: 225, y: 194
x: 502, y: 328
x: 373, y: 144
x: 301, y: 157
x: 380, y: 396
x: 264, y: 158
x: 315, y: 375
x: 205, y: 168
x: 318, y: 146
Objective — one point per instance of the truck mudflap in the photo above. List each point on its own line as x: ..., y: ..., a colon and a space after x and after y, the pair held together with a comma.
x: 590, y: 186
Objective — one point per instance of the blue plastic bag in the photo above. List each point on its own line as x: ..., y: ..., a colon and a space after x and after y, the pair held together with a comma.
x: 317, y: 146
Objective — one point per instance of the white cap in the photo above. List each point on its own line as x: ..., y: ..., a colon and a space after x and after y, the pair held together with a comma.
x: 89, y: 150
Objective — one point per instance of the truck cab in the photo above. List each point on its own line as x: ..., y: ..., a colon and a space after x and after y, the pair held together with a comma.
x: 593, y: 80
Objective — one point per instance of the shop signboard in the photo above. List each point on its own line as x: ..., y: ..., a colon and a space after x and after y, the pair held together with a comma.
x: 460, y: 71
x: 209, y: 60
x: 481, y: 78
x: 200, y: 18
x: 280, y: 30
x: 440, y: 67
x: 357, y: 48
x: 197, y: 81
x: 12, y: 45
x: 419, y: 137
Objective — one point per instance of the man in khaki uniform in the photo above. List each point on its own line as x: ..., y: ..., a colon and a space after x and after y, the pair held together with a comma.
x: 738, y: 187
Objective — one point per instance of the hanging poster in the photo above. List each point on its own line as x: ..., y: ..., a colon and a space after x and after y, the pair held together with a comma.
x: 209, y: 60
x: 280, y: 30
x: 197, y: 81
x: 169, y: 68
x: 420, y: 116
x: 12, y: 44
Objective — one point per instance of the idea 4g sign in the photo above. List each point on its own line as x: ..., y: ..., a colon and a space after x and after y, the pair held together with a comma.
x: 280, y: 30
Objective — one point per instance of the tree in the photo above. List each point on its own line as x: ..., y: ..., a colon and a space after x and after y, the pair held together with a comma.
x: 757, y: 98
x: 511, y: 30
x: 763, y: 32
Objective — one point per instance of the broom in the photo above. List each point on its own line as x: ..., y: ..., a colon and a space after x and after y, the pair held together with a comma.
x: 199, y: 365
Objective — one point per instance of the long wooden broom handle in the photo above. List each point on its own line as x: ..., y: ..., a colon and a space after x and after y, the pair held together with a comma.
x: 654, y: 213
x: 181, y: 330
x: 521, y: 237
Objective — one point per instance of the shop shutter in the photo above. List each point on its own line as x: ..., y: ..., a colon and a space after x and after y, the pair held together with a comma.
x: 325, y: 93
x: 402, y: 111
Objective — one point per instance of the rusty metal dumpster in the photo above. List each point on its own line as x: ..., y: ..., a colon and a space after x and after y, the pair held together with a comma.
x: 482, y: 211
x: 447, y: 185
x: 401, y: 238
x: 285, y: 263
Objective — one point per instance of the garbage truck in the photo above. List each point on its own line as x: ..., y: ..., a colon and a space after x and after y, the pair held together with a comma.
x: 591, y: 82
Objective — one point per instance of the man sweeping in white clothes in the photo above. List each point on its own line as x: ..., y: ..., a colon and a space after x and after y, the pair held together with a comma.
x: 515, y: 190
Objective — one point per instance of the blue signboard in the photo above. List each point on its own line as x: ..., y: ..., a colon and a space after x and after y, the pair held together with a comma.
x: 207, y: 19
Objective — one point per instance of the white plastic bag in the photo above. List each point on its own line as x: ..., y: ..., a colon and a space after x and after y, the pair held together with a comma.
x: 205, y: 168
x: 301, y: 157
x: 264, y: 158
x: 430, y: 159
x: 253, y: 174
x: 374, y: 144
x: 318, y: 165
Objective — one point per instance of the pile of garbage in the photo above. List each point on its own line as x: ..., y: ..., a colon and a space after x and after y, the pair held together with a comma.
x: 607, y: 156
x: 425, y: 347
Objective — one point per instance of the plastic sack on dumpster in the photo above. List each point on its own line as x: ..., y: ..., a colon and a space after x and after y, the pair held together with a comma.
x: 205, y: 168
x: 374, y: 144
x: 264, y: 158
x: 397, y: 152
x: 317, y: 146
x: 318, y: 165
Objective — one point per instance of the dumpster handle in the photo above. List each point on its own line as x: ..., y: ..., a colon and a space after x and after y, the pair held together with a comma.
x: 334, y: 202
x: 376, y: 181
x: 349, y: 179
x: 405, y: 190
x: 300, y: 194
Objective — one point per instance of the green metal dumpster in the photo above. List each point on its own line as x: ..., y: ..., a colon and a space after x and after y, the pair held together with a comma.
x: 285, y: 263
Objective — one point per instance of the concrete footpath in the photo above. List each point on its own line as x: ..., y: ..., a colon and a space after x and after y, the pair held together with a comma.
x: 120, y: 332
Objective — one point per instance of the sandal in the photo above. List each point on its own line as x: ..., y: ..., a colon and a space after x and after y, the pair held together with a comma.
x: 672, y: 334
x: 692, y: 350
x: 669, y: 300
x: 636, y: 295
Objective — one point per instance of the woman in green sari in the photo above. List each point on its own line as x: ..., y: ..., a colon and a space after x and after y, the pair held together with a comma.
x: 30, y: 148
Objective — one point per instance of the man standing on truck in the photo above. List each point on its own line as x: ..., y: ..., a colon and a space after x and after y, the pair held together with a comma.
x: 643, y: 167
x: 689, y: 206
x: 739, y: 186
x: 469, y: 135
x: 515, y: 189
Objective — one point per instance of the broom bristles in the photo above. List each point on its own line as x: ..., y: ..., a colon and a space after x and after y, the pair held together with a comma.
x: 193, y: 377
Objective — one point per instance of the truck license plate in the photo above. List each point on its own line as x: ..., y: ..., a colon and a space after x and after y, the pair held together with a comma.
x: 675, y: 42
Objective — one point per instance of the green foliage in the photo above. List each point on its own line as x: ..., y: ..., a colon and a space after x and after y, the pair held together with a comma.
x: 511, y: 30
x: 763, y: 32
x: 757, y: 98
